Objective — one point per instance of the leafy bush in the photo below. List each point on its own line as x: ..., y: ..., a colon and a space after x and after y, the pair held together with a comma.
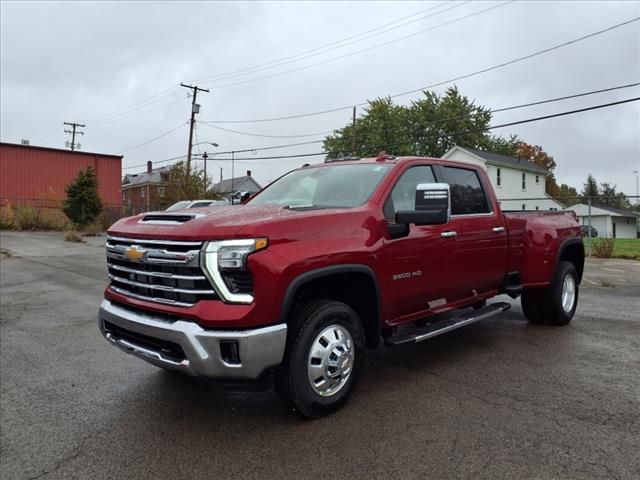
x: 6, y: 217
x: 603, y: 247
x: 72, y: 236
x: 83, y: 203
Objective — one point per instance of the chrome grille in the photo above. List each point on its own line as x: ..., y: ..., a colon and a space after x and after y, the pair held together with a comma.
x: 161, y: 271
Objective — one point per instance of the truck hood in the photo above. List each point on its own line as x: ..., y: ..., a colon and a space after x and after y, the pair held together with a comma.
x: 212, y: 223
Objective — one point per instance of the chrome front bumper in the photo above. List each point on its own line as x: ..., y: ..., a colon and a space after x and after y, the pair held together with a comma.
x: 258, y: 349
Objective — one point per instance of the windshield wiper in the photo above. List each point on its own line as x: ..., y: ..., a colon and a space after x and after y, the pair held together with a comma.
x: 305, y: 206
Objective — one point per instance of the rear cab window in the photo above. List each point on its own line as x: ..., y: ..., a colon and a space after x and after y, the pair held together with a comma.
x: 468, y: 197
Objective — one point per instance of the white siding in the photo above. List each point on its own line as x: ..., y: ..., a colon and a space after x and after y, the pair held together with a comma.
x: 510, y: 192
x: 625, y: 227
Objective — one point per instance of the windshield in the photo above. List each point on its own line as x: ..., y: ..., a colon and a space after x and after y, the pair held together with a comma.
x: 323, y: 187
x: 179, y: 206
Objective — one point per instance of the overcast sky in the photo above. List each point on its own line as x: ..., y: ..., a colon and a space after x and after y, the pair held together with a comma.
x: 117, y: 66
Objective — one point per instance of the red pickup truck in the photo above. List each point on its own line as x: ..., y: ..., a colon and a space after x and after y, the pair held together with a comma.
x: 328, y: 260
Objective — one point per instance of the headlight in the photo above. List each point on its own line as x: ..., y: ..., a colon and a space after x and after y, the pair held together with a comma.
x: 226, y: 257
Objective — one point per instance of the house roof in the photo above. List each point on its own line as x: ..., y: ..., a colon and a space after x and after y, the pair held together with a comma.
x: 137, y: 179
x: 226, y: 186
x: 619, y: 211
x: 514, y: 162
x: 595, y: 210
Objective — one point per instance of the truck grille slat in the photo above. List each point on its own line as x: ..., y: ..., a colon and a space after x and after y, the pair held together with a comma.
x: 160, y: 271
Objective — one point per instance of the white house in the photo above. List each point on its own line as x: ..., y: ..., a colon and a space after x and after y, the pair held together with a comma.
x: 234, y: 187
x: 609, y: 222
x: 518, y: 183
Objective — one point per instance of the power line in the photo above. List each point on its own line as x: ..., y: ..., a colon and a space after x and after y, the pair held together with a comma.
x: 464, y: 132
x: 433, y: 122
x: 136, y: 114
x: 163, y: 93
x: 461, y: 77
x: 265, y: 135
x: 154, y: 139
x: 140, y: 104
x: 333, y: 45
x: 305, y: 67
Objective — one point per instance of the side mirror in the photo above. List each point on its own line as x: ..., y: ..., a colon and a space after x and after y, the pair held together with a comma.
x: 433, y: 205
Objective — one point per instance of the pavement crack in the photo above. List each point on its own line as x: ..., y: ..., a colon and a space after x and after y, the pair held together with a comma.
x: 76, y: 452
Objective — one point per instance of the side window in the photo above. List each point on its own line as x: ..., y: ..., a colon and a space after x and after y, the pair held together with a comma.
x: 467, y: 195
x: 403, y: 195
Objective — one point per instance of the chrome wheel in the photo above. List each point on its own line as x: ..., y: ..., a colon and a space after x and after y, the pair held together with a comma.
x: 568, y: 293
x: 330, y: 360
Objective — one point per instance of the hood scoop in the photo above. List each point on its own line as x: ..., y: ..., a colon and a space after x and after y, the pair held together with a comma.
x: 168, y: 219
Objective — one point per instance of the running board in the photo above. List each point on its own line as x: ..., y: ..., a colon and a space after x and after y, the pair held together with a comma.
x: 434, y: 329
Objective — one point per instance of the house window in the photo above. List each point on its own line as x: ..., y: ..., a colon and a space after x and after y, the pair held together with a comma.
x: 537, y: 179
x: 142, y: 192
x: 524, y: 206
x: 498, y: 178
x: 124, y: 196
x: 524, y: 181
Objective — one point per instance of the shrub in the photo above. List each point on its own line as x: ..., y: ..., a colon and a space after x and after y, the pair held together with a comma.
x: 83, y: 204
x: 72, y: 236
x: 92, y: 230
x: 603, y: 247
x: 6, y: 217
x: 26, y: 218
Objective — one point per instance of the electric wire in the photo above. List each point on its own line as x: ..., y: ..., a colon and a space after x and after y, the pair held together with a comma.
x: 451, y: 80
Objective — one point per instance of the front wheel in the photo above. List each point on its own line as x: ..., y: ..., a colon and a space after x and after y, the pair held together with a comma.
x: 323, y: 358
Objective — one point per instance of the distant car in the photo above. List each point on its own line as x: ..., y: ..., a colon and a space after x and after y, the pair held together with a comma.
x: 197, y: 204
x: 585, y: 231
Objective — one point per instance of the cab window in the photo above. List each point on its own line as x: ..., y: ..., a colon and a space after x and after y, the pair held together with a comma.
x: 403, y: 195
x: 467, y: 194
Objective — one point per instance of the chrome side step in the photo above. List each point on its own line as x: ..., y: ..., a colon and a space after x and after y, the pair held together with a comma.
x: 434, y: 329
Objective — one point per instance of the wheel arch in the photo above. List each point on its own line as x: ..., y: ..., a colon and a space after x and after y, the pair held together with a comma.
x: 353, y: 284
x: 572, y: 250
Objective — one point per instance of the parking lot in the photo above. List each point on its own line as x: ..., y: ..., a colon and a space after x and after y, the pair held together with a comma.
x: 499, y: 399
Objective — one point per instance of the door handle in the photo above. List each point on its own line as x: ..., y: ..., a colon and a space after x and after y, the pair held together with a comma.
x: 449, y: 234
x: 497, y: 229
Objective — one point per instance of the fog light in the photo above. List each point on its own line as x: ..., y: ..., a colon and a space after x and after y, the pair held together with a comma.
x: 230, y: 352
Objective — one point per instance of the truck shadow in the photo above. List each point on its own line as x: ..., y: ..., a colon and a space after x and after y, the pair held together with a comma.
x: 178, y: 398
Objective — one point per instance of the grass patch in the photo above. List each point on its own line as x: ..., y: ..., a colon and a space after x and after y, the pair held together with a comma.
x: 626, y: 248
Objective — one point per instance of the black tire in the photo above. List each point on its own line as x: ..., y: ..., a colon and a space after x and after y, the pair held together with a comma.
x: 546, y: 305
x: 292, y: 380
x: 555, y: 312
x: 531, y: 302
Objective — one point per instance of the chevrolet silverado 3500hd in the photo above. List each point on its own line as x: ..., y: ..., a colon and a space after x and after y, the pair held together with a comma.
x: 327, y: 261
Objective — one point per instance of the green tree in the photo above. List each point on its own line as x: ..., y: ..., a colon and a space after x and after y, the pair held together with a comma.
x: 568, y: 195
x: 590, y: 189
x: 610, y: 198
x: 177, y: 186
x: 429, y: 126
x: 83, y: 204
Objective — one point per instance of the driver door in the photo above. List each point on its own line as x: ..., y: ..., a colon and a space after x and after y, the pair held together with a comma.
x: 418, y: 263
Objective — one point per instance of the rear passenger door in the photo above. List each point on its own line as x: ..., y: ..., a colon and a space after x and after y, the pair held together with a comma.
x: 481, y: 246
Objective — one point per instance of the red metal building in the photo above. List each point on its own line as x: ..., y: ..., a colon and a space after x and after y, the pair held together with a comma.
x: 38, y: 175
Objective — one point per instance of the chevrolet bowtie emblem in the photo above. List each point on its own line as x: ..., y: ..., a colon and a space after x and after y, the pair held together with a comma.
x: 134, y: 253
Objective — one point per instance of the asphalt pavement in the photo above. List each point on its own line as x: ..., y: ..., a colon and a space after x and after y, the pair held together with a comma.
x: 498, y: 399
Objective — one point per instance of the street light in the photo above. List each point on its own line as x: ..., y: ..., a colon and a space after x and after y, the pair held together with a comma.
x: 636, y: 173
x: 204, y: 157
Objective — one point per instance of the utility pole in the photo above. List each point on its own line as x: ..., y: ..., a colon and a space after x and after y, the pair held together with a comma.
x: 195, y: 108
x: 353, y: 134
x: 233, y: 173
x: 73, y: 132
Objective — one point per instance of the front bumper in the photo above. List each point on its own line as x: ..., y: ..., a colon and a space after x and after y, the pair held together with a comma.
x: 146, y: 336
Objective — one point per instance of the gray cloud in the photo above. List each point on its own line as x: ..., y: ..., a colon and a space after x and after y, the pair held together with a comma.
x: 76, y: 61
